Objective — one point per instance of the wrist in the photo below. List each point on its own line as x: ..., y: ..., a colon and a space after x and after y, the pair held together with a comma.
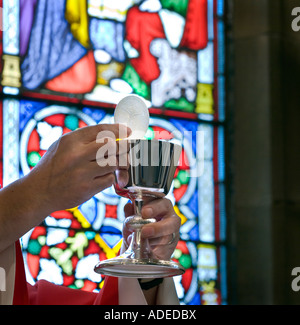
x: 21, y: 210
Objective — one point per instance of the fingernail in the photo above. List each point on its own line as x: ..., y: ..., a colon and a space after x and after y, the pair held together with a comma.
x: 124, y: 131
x: 129, y: 131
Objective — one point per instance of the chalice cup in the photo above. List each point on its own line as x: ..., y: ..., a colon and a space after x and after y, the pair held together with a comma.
x: 152, y: 165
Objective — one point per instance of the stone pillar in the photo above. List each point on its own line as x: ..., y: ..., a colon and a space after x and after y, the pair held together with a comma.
x: 263, y: 113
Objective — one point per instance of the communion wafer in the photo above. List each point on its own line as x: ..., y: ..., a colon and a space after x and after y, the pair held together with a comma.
x: 133, y: 112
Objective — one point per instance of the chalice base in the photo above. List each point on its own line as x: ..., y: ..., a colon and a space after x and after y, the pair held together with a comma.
x: 128, y: 267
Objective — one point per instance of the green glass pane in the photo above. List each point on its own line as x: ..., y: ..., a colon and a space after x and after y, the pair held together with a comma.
x: 33, y: 158
x: 177, y: 254
x: 133, y: 79
x: 149, y: 134
x: 71, y: 122
x: 181, y: 104
x: 34, y: 247
x: 185, y: 260
x: 183, y: 176
x: 179, y: 6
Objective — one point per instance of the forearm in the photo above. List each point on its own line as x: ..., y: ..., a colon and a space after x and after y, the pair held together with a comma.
x: 65, y: 177
x: 21, y: 209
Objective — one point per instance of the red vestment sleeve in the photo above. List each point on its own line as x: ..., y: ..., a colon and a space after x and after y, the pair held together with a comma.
x: 20, y: 289
x: 46, y: 293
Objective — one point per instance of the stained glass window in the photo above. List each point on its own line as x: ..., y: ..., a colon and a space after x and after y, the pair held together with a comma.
x: 65, y: 65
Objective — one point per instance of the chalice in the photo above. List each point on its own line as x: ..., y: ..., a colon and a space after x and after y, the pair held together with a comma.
x: 152, y: 165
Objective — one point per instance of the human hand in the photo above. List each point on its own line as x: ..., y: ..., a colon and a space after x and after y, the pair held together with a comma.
x: 159, y: 233
x: 79, y: 165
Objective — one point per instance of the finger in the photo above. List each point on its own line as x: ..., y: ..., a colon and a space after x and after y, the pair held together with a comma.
x: 158, y: 208
x: 94, y: 169
x: 111, y: 146
x: 164, y: 227
x: 106, y: 147
x: 123, y: 161
x: 91, y: 133
x: 109, y: 154
x: 109, y: 165
x: 167, y: 240
x: 115, y: 131
x: 102, y: 182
